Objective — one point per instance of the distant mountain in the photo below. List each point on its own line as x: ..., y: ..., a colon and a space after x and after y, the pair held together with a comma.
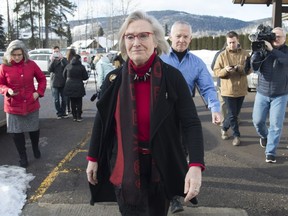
x: 202, y: 25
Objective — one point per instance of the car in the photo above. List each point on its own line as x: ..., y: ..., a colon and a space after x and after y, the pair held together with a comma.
x: 41, y: 51
x: 2, y: 113
x: 1, y: 56
x: 252, y: 80
x: 87, y: 67
x: 42, y: 60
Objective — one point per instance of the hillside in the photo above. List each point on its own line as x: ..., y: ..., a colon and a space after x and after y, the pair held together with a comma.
x: 201, y: 25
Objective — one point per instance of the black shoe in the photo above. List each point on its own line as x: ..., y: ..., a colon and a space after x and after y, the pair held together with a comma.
x: 263, y: 142
x: 176, y: 205
x: 65, y: 116
x: 79, y: 119
x: 270, y: 159
x: 23, y: 163
x: 37, y: 154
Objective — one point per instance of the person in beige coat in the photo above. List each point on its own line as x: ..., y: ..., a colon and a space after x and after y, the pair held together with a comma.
x: 230, y: 68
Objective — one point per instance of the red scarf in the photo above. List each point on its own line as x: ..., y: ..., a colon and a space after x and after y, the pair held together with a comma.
x: 126, y: 171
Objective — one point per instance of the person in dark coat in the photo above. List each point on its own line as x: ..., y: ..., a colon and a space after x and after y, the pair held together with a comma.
x: 57, y: 81
x: 271, y: 98
x: 74, y: 74
x: 144, y: 113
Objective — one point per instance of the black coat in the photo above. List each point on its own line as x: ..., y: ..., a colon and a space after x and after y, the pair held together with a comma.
x: 174, y: 113
x: 75, y: 73
x: 56, y: 68
x: 272, y: 69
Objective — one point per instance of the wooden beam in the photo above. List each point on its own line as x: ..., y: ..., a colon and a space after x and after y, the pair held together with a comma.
x: 277, y: 13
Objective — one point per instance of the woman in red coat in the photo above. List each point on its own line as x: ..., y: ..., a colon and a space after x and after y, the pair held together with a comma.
x: 21, y: 102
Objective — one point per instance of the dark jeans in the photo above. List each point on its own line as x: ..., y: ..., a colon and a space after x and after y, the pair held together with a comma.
x: 234, y: 105
x: 60, y: 106
x: 155, y: 202
x: 76, y: 107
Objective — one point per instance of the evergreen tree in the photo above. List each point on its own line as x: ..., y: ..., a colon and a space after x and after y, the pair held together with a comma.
x: 100, y: 31
x: 2, y: 33
x: 55, y: 19
x: 69, y: 36
x: 27, y: 9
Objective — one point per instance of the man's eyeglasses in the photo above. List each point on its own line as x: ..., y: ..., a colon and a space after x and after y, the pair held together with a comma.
x: 142, y: 36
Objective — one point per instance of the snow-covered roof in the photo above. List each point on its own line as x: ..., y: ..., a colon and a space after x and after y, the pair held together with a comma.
x: 103, y: 42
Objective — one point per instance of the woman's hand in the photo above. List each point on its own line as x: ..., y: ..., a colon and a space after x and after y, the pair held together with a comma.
x: 35, y: 95
x: 91, y: 172
x: 11, y: 92
x: 193, y: 181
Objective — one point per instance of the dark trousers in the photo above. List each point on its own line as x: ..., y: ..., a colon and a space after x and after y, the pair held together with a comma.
x: 19, y: 140
x: 155, y: 202
x: 76, y: 107
x: 234, y: 105
x: 68, y: 104
x: 59, y: 101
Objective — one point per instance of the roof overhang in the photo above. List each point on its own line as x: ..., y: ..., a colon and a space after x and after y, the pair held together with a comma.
x: 267, y: 2
x: 278, y: 8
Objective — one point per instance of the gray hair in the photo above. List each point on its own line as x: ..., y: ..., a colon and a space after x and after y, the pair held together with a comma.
x: 281, y: 29
x: 15, y: 45
x: 157, y: 29
x: 181, y: 23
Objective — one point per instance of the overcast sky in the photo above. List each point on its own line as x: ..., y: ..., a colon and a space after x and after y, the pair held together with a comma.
x: 202, y: 7
x: 225, y: 8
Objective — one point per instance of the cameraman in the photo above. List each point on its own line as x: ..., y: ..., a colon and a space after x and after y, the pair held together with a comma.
x: 272, y: 92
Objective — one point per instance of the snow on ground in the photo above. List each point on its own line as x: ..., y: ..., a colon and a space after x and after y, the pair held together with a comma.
x: 14, y: 182
x: 207, y: 56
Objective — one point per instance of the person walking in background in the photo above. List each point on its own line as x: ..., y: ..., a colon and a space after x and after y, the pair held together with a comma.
x: 69, y: 55
x: 103, y: 67
x: 74, y: 74
x: 118, y: 60
x: 57, y: 81
x: 272, y: 92
x: 143, y: 114
x: 21, y: 97
x: 195, y: 73
x: 230, y: 67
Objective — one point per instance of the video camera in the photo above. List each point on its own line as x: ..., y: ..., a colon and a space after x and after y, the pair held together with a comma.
x: 264, y: 33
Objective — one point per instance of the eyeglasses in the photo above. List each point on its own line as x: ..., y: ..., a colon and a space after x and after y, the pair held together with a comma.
x: 17, y: 55
x: 142, y: 36
x: 279, y: 36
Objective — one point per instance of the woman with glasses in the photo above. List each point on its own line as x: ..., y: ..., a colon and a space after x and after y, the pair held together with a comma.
x: 21, y: 102
x: 144, y: 113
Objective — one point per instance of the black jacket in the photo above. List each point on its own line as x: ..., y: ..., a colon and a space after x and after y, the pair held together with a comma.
x: 56, y: 68
x: 272, y: 69
x: 174, y: 110
x: 74, y: 74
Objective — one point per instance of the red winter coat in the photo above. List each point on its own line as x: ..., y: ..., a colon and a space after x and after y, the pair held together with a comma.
x: 20, y: 78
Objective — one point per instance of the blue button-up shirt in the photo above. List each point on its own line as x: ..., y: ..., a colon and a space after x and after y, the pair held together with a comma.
x: 194, y: 71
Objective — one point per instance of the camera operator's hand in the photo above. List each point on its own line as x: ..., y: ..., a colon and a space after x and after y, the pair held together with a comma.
x: 268, y: 46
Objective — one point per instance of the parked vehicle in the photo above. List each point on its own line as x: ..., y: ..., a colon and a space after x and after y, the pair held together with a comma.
x: 87, y: 67
x: 1, y: 56
x: 2, y: 113
x: 252, y: 80
x: 41, y: 51
x: 42, y: 60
